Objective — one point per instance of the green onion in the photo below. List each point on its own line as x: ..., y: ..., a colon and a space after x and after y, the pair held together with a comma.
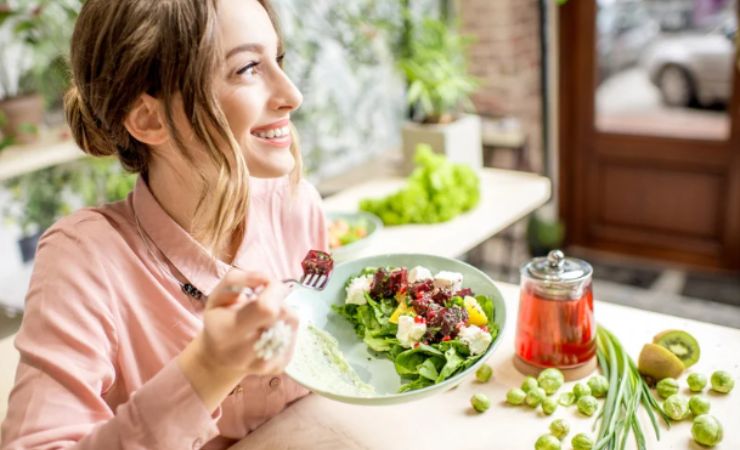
x: 627, y: 393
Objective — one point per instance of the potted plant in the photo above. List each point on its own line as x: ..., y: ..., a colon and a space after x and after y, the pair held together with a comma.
x: 434, y: 64
x: 42, y: 197
x: 544, y: 235
x: 38, y: 201
x: 33, y: 69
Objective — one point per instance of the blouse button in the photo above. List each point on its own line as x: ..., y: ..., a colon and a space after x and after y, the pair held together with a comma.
x: 275, y: 383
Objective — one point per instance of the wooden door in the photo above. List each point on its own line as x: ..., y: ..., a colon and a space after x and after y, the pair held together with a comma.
x: 640, y: 172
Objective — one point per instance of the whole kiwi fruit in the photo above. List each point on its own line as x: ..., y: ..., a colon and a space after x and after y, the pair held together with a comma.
x: 681, y: 344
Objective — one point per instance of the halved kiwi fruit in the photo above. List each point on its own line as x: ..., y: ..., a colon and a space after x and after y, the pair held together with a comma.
x: 681, y: 344
x: 657, y: 362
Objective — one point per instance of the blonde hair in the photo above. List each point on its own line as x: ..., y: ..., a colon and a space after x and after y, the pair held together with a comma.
x: 168, y: 49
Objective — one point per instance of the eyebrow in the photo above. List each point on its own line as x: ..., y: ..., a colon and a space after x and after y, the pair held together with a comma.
x: 257, y: 48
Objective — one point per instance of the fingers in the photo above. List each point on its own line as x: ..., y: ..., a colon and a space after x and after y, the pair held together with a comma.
x: 228, y: 290
x: 266, y: 309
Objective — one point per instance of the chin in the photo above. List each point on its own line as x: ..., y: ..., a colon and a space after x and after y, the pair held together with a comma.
x: 274, y: 167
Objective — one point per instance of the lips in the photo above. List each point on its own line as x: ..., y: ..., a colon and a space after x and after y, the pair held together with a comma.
x: 275, y: 134
x: 278, y: 124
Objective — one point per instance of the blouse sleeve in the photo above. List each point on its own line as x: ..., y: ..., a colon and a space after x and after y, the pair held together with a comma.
x: 68, y: 347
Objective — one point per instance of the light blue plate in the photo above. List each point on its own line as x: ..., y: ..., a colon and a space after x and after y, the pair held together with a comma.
x: 371, y: 221
x: 314, y: 307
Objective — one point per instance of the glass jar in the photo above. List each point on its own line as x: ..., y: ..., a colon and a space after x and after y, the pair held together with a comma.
x: 556, y: 326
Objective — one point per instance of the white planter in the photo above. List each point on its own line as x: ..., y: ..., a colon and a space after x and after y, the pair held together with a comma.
x: 460, y: 141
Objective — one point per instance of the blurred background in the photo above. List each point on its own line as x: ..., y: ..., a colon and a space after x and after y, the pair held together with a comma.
x: 627, y: 106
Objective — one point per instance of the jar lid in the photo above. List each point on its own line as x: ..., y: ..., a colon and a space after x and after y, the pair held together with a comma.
x: 557, y: 268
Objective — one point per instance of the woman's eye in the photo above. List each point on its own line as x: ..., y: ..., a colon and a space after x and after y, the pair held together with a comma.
x: 249, y: 70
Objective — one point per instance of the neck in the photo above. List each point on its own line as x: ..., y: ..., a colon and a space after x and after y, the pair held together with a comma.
x: 177, y: 191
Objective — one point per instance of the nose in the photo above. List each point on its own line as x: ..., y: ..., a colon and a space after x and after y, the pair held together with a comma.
x: 285, y: 97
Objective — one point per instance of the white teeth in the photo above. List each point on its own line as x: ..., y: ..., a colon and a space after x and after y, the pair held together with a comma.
x: 273, y: 133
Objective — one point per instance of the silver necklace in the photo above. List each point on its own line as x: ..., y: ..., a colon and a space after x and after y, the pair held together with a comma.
x: 186, y: 287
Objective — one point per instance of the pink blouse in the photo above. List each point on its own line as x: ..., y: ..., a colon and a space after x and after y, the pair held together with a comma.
x: 104, y: 322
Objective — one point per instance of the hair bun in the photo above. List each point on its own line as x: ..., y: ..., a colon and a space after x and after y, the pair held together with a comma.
x: 85, y: 128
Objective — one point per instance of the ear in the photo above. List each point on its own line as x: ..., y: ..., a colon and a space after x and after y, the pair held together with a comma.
x: 146, y: 121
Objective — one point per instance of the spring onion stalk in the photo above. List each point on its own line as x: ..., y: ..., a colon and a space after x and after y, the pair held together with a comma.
x: 628, y: 392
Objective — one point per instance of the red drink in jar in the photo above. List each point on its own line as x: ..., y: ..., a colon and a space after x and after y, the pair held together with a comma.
x: 556, y: 326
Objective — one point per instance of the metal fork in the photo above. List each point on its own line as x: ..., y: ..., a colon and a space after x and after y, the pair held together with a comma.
x: 315, y: 281
x: 317, y: 268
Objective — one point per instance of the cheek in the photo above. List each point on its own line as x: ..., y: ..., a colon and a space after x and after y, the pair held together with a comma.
x: 241, y: 111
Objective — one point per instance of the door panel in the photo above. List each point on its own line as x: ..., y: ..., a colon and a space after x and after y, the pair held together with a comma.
x: 667, y: 201
x: 639, y: 174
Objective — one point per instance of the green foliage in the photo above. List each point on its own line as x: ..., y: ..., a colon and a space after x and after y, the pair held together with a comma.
x: 38, y: 200
x: 436, y: 191
x: 41, y: 31
x: 101, y: 180
x: 544, y: 235
x: 436, y: 71
x: 42, y: 197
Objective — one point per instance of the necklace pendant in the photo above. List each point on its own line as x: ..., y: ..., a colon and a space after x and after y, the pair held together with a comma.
x: 192, y: 291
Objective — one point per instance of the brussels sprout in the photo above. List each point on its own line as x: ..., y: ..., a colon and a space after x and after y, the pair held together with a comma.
x: 696, y: 382
x: 529, y: 383
x: 567, y: 398
x: 707, y: 430
x: 549, y: 405
x: 582, y: 441
x: 559, y: 429
x: 722, y: 382
x: 587, y: 405
x: 698, y: 404
x: 550, y: 380
x: 484, y: 373
x: 515, y: 396
x: 480, y: 402
x: 535, y: 397
x: 580, y: 390
x: 599, y: 385
x: 676, y: 407
x: 547, y: 442
x: 667, y: 387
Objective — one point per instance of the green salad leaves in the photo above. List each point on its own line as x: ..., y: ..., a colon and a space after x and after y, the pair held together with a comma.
x: 434, y: 358
x: 436, y: 191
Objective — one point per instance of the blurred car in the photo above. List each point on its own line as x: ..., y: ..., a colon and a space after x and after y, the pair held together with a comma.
x: 694, y: 68
x: 625, y: 28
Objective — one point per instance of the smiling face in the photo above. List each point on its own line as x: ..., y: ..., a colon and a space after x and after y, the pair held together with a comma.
x: 255, y: 94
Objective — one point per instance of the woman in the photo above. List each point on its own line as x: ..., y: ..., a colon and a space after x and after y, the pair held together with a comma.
x: 137, y: 332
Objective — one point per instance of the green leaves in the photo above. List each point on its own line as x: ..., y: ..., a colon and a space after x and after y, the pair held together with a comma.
x: 627, y: 392
x: 41, y: 30
x: 42, y: 197
x: 436, y: 191
x: 436, y: 71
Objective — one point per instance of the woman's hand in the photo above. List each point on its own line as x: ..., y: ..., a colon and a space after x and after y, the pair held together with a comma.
x: 233, y: 323
x: 223, y: 353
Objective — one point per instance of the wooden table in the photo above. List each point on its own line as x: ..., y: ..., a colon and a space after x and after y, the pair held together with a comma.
x: 446, y: 421
x: 506, y: 197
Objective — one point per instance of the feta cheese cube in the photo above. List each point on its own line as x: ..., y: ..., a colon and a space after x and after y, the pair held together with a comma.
x: 419, y: 273
x: 477, y: 339
x: 449, y: 280
x: 409, y: 331
x: 357, y: 288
